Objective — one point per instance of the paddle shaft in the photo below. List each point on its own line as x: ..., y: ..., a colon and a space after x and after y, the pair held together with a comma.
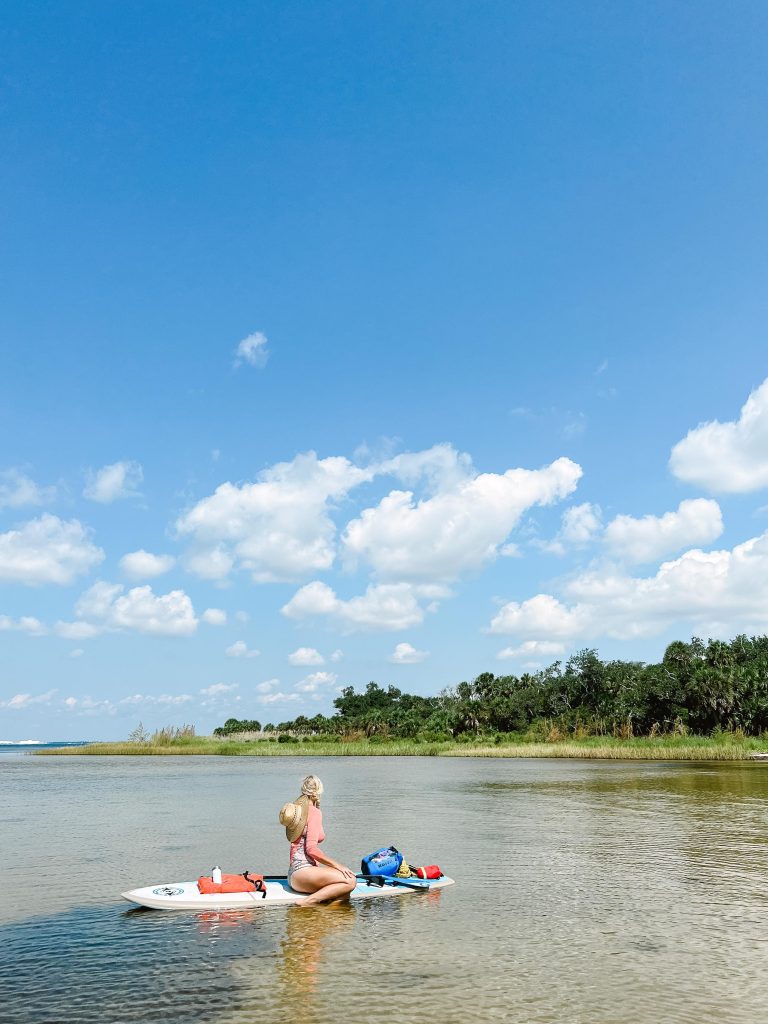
x: 371, y: 879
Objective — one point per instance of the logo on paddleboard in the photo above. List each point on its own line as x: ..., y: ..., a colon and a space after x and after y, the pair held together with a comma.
x: 166, y: 890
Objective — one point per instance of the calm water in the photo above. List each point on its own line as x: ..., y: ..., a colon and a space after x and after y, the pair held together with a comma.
x: 592, y: 893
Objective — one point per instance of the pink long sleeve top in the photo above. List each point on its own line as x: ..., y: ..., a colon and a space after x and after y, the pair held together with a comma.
x: 311, y: 837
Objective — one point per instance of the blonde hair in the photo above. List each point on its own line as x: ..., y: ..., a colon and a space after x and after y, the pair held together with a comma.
x: 312, y: 787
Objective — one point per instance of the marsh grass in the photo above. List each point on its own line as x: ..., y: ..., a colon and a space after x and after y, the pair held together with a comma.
x: 725, y: 746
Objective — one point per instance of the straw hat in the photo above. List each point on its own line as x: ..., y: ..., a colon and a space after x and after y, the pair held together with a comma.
x: 294, y: 817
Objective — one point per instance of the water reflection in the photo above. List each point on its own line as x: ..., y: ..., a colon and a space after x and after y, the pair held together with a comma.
x: 304, y: 954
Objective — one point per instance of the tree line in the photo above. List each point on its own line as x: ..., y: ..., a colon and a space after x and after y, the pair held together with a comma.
x: 698, y: 687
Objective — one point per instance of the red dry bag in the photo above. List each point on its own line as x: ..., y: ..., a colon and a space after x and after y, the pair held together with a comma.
x: 430, y: 871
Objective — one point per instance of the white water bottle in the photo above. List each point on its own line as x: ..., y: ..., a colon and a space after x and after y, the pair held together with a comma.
x: 216, y: 875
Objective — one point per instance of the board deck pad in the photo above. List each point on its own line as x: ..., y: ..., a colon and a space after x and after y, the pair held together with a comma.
x: 186, y: 896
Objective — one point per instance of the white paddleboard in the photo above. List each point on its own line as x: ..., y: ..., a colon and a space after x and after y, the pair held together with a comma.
x: 186, y: 896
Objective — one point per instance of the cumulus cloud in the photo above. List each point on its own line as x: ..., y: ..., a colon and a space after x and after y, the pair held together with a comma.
x: 277, y: 528
x: 459, y: 528
x: 47, y: 550
x: 105, y: 607
x: 252, y: 351
x: 280, y: 527
x: 316, y: 681
x: 143, y: 565
x: 406, y: 654
x: 114, y: 482
x: 277, y: 698
x: 337, y: 655
x: 696, y: 521
x: 714, y: 593
x: 164, y: 699
x: 383, y: 606
x: 78, y: 630
x: 18, y: 490
x: 533, y: 649
x: 217, y: 689
x: 306, y: 656
x: 214, y: 617
x: 25, y: 624
x: 212, y: 563
x: 240, y: 649
x: 267, y: 685
x: 580, y: 524
x: 727, y: 457
x: 21, y: 701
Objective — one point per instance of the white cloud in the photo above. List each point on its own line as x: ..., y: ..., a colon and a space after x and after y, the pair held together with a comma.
x: 76, y: 630
x: 214, y: 617
x: 78, y: 652
x: 306, y: 656
x: 47, y: 550
x: 25, y: 624
x: 696, y: 521
x: 93, y: 708
x: 209, y: 563
x: 139, y: 609
x: 277, y: 528
x: 164, y: 699
x: 337, y: 655
x: 715, y: 593
x: 25, y: 700
x: 240, y: 649
x: 113, y: 482
x: 580, y: 524
x: 70, y: 702
x: 539, y: 616
x: 315, y: 681
x: 278, y: 698
x: 18, y: 490
x: 267, y: 685
x: 252, y: 350
x: 383, y: 606
x: 406, y: 654
x: 532, y: 648
x: 727, y: 457
x: 217, y: 689
x: 459, y: 528
x: 143, y: 565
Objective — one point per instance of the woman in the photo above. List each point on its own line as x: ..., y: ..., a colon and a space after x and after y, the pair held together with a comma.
x: 311, y: 871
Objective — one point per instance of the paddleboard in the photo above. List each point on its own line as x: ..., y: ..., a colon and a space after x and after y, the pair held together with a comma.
x: 186, y: 896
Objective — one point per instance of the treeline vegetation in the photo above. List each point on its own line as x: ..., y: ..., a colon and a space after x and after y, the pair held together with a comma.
x: 234, y: 726
x: 698, y: 688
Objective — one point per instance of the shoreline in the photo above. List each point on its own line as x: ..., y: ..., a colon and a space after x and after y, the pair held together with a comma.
x: 673, y: 748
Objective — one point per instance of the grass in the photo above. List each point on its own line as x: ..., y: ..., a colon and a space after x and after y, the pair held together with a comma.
x: 721, y: 747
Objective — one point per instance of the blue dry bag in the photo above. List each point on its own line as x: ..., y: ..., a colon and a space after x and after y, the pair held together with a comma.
x: 385, y: 861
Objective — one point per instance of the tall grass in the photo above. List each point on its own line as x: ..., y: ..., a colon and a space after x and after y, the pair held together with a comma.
x: 680, y: 747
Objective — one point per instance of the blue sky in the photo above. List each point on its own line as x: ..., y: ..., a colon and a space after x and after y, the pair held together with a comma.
x: 502, y: 268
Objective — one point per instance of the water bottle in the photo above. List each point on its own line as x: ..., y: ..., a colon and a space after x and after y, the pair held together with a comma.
x: 216, y: 875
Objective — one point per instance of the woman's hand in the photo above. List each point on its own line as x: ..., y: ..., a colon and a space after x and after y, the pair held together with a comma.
x: 348, y: 875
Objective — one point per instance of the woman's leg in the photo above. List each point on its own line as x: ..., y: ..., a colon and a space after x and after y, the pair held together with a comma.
x: 322, y: 884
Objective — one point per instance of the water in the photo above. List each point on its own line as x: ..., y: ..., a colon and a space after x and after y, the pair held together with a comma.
x: 588, y: 892
x: 15, y: 747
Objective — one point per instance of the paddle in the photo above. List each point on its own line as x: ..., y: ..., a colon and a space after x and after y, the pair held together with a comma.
x: 371, y: 880
x: 392, y: 880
